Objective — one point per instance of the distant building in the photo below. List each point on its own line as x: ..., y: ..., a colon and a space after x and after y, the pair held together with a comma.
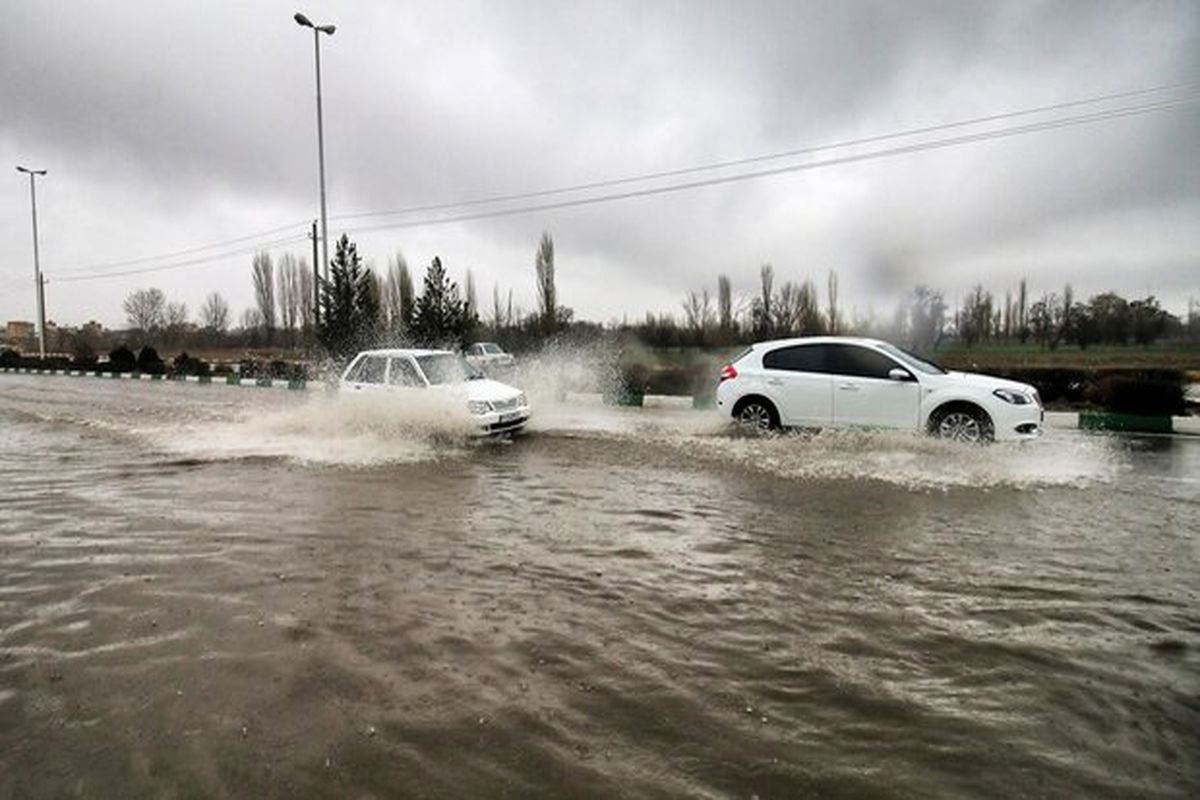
x: 19, y: 334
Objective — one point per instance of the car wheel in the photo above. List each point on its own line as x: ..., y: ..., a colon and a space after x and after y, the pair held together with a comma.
x: 756, y: 415
x: 963, y: 424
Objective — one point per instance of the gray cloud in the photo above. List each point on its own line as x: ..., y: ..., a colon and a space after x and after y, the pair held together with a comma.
x: 172, y: 125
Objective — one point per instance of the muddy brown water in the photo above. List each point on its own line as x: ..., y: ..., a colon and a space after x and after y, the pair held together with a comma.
x: 221, y: 592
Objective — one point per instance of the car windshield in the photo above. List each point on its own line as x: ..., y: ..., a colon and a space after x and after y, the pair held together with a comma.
x: 492, y: 349
x: 914, y: 361
x: 447, y: 368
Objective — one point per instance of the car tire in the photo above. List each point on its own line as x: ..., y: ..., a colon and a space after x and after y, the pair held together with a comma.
x: 962, y: 422
x: 756, y: 414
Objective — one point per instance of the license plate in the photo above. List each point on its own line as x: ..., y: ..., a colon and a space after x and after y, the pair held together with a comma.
x: 510, y: 416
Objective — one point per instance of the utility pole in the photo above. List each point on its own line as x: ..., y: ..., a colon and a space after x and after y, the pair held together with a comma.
x: 38, y: 281
x: 317, y: 30
x: 316, y: 277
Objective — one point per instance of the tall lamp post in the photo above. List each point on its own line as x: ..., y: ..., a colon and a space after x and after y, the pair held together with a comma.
x: 37, y: 269
x: 317, y: 31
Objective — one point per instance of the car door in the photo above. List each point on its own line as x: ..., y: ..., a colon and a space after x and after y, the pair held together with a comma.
x: 864, y: 393
x: 402, y: 376
x: 368, y: 376
x: 795, y: 375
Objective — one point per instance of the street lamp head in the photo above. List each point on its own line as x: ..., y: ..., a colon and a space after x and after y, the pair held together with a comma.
x: 302, y: 20
x: 329, y: 29
x: 29, y: 171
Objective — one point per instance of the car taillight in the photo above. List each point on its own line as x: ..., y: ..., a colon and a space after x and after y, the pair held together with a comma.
x: 728, y: 373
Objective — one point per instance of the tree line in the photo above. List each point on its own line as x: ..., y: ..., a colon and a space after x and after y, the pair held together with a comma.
x: 354, y: 307
x: 357, y: 307
x: 923, y: 320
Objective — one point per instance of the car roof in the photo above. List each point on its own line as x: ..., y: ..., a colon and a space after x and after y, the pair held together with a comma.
x: 405, y: 352
x: 819, y: 340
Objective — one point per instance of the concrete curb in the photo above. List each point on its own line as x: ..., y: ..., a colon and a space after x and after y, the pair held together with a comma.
x: 223, y: 380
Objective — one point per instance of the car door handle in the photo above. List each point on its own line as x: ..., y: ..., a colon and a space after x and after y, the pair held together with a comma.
x: 848, y: 387
x: 775, y: 381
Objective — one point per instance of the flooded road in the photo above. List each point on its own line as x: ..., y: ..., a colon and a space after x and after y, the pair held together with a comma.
x: 221, y: 592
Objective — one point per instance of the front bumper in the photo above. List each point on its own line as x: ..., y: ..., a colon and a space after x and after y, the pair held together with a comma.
x: 495, y: 423
x: 1017, y: 423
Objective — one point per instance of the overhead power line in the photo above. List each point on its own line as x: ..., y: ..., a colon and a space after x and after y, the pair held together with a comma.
x: 807, y: 150
x: 101, y: 271
x: 181, y: 264
x: 936, y: 144
x: 187, y: 252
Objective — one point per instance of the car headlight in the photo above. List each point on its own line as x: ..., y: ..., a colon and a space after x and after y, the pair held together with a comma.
x: 1016, y: 398
x: 479, y: 406
x: 521, y: 401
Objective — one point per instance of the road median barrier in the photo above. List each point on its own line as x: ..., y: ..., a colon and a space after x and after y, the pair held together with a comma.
x: 1126, y: 423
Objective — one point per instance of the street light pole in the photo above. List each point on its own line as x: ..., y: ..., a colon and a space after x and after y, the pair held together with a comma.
x: 37, y: 268
x: 317, y: 30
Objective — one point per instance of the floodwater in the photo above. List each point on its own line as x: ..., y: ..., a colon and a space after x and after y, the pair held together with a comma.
x: 208, y: 591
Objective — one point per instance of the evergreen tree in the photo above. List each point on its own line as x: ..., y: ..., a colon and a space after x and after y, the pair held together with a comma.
x: 349, y: 302
x: 440, y: 315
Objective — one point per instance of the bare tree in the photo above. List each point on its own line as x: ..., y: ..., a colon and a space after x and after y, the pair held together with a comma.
x: 761, y: 312
x: 304, y: 279
x: 398, y: 299
x: 287, y: 287
x: 975, y: 323
x: 1066, y: 319
x: 698, y: 315
x: 176, y: 322
x: 146, y: 310
x: 925, y: 315
x: 214, y: 316
x: 263, y: 274
x: 471, y: 302
x: 724, y: 308
x: 497, y: 312
x: 1022, y: 312
x: 834, y: 318
x: 547, y: 295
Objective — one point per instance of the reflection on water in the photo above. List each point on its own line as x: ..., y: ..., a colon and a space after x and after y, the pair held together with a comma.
x: 257, y: 593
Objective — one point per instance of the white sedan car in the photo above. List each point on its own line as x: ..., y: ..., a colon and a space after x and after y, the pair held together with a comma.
x: 494, y: 407
x: 828, y: 381
x: 488, y: 356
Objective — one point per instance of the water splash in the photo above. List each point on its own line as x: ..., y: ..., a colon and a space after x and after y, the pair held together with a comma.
x: 910, y: 460
x: 334, y: 429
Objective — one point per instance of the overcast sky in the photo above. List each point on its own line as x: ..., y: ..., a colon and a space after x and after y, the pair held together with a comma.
x: 167, y: 125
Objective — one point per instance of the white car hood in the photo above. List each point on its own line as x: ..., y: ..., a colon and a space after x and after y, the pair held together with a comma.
x: 490, y: 390
x: 989, y: 382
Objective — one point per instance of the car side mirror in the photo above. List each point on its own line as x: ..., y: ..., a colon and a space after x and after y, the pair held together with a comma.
x: 898, y: 374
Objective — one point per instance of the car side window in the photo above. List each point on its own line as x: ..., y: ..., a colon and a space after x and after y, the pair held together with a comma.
x: 403, y: 373
x: 371, y: 370
x: 797, y: 358
x: 474, y: 350
x: 352, y: 375
x: 859, y: 362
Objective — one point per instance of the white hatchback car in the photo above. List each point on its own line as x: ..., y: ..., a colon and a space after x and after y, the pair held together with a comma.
x: 827, y: 381
x: 494, y: 407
